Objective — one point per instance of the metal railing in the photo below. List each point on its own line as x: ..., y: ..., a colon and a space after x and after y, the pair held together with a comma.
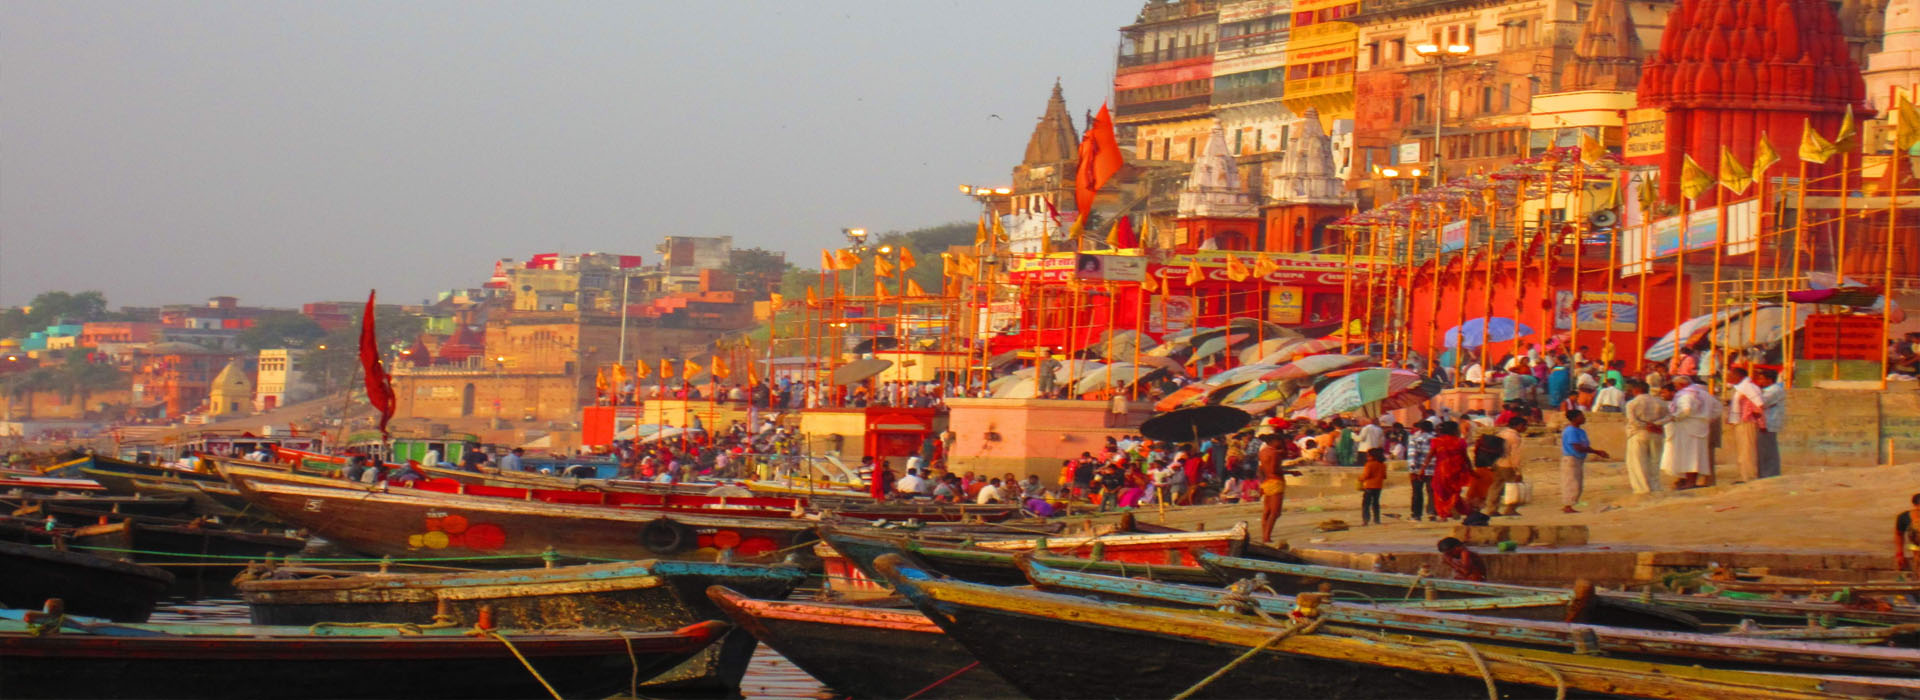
x: 1249, y: 93
x: 1180, y: 53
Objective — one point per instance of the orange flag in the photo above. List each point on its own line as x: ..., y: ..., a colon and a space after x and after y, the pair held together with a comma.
x: 846, y: 260
x: 689, y: 371
x: 666, y: 368
x: 720, y: 371
x: 882, y: 267
x: 827, y: 263
x: 641, y: 370
x: 1150, y: 285
x: 914, y: 289
x: 775, y: 301
x: 1100, y: 158
x: 906, y: 259
x: 879, y: 290
x: 1236, y: 270
x: 1264, y: 266
x: 812, y: 298
x: 980, y: 236
x: 600, y: 381
x: 1195, y: 275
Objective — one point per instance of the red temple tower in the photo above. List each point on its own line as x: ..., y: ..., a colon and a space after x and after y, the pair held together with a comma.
x: 1728, y: 70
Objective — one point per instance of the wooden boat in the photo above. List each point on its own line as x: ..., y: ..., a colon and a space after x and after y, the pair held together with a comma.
x: 643, y: 595
x: 1052, y: 645
x: 1160, y: 556
x: 83, y: 659
x: 209, y: 494
x: 864, y: 651
x: 91, y: 585
x: 447, y: 519
x: 92, y: 505
x: 1492, y: 620
x: 208, y: 549
x: 1299, y: 578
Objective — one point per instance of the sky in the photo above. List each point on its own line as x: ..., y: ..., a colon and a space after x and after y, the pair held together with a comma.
x: 284, y: 152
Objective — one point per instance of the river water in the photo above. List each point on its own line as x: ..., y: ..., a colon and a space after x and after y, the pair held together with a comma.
x: 769, y: 676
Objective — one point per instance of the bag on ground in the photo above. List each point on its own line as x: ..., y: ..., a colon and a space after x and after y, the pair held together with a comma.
x: 1517, y: 493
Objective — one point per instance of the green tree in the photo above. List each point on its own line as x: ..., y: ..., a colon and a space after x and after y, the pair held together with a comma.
x: 333, y: 361
x: 282, y: 329
x: 757, y: 271
x: 54, y: 307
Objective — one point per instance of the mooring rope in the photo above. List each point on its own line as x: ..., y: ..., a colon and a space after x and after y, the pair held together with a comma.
x: 1250, y: 653
x: 523, y: 661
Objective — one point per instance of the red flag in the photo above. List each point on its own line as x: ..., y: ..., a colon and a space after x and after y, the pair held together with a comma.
x: 379, y: 386
x: 628, y: 262
x: 543, y: 261
x: 1099, y: 159
x: 1123, y: 235
x: 1052, y: 212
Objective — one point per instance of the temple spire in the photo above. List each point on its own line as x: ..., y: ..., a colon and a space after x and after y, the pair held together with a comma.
x: 1608, y: 54
x: 1053, y: 139
x: 1213, y: 186
x: 1307, y: 174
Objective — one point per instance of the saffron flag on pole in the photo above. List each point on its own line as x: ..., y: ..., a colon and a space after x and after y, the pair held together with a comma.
x: 1649, y: 195
x: 906, y: 259
x: 879, y: 290
x: 689, y: 370
x: 812, y: 297
x: 1123, y: 235
x: 1236, y: 270
x: 1733, y: 176
x: 600, y: 385
x: 720, y: 370
x: 1195, y: 275
x: 1764, y: 157
x: 827, y: 263
x: 666, y: 368
x: 882, y: 267
x: 914, y: 289
x: 1150, y: 285
x: 642, y: 370
x: 379, y: 385
x: 1849, y: 137
x: 1694, y: 180
x: 1264, y: 266
x: 1591, y: 150
x: 1906, y: 134
x: 1100, y: 158
x: 980, y: 235
x: 847, y: 260
x: 999, y: 232
x: 1815, y: 148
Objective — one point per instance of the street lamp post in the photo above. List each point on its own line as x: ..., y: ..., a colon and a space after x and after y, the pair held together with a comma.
x: 1440, y: 56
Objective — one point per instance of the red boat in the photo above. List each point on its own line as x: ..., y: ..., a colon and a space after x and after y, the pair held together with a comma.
x: 445, y: 518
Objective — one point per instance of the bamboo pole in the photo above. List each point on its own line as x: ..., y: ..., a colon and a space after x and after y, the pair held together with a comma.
x: 1519, y: 244
x: 1799, y: 239
x: 1640, y: 301
x: 1139, y: 313
x: 1346, y: 292
x: 1373, y: 257
x: 1433, y: 315
x: 1718, y: 351
x: 1548, y: 256
x: 1613, y: 278
x: 1886, y: 275
x: 1839, y: 252
x: 1679, y: 265
x: 1578, y: 212
x: 1760, y: 228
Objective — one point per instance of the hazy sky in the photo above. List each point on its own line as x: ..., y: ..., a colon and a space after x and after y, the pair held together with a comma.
x: 164, y: 152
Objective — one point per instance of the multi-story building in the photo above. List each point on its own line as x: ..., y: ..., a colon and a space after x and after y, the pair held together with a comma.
x: 1249, y: 77
x: 1163, y: 79
x: 93, y: 333
x: 1321, y: 56
x: 279, y: 379
x: 172, y: 378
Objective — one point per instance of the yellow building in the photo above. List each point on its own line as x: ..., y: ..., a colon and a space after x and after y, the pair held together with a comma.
x: 232, y: 392
x: 1320, y: 59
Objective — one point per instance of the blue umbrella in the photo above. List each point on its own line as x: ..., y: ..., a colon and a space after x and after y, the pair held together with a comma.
x: 1498, y: 329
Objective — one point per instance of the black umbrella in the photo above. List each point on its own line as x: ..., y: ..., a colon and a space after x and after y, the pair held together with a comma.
x: 885, y: 342
x: 859, y: 371
x: 1195, y: 423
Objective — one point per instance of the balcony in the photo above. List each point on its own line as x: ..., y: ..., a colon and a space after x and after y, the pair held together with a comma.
x: 1323, y: 85
x: 1175, y: 10
x: 1149, y: 58
x: 1248, y: 93
x: 1123, y: 109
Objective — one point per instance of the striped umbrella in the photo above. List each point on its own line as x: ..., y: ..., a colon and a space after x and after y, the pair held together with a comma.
x: 1363, y: 389
x: 1690, y: 331
x: 1299, y: 349
x: 1316, y: 365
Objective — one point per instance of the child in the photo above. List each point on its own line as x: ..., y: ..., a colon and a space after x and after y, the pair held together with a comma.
x: 1373, y: 477
x: 1465, y: 564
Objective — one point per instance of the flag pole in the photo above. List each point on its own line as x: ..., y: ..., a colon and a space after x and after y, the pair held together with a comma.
x: 1520, y: 246
x: 1761, y: 212
x: 1886, y: 288
x: 1646, y: 270
x: 1793, y: 274
x: 1139, y: 311
x: 1613, y: 276
x: 1840, y: 248
x: 1346, y: 293
x: 1548, y: 255
x: 1579, y: 246
x: 1373, y: 258
x: 1713, y: 299
x: 1433, y: 315
x: 1679, y: 265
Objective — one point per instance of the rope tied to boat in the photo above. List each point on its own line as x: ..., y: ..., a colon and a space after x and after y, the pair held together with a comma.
x: 1297, y: 627
x: 1238, y: 597
x: 484, y: 632
x: 441, y: 620
x: 942, y: 681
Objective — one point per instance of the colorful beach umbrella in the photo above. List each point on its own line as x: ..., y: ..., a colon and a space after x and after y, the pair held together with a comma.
x: 1195, y: 423
x: 1765, y: 326
x: 1316, y: 365
x: 1258, y: 392
x: 1359, y: 390
x: 1690, y: 331
x: 1300, y: 348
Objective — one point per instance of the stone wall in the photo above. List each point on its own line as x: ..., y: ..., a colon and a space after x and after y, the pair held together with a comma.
x: 1825, y: 428
x: 1032, y: 436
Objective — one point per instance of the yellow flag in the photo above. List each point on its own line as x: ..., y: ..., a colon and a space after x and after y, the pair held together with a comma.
x: 1849, y: 137
x: 906, y: 259
x: 812, y: 298
x: 847, y: 260
x: 689, y: 370
x: 1907, y: 133
x: 666, y: 368
x: 879, y: 290
x: 999, y: 232
x: 1236, y: 270
x: 776, y: 300
x: 915, y: 290
x: 720, y: 371
x: 1694, y: 180
x: 600, y: 380
x: 980, y: 235
x: 1764, y: 157
x: 1591, y: 150
x: 1733, y: 176
x: 642, y: 370
x: 1264, y: 266
x: 827, y: 263
x: 1195, y: 275
x: 1814, y: 148
x: 619, y: 376
x: 882, y: 267
x: 1649, y: 196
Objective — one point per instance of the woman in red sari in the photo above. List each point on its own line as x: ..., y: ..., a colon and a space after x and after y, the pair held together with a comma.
x: 1452, y: 470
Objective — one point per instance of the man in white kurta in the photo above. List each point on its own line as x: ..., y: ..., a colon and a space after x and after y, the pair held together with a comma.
x: 1686, y: 455
x: 1646, y: 432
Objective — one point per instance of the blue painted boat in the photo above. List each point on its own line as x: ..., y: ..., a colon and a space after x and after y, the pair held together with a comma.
x: 641, y: 595
x: 47, y: 655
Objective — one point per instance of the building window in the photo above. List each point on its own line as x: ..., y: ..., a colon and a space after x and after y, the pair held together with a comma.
x: 1486, y: 100
x: 1237, y: 133
x: 1373, y: 54
x: 1397, y: 50
x: 1193, y: 150
x: 1420, y: 107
